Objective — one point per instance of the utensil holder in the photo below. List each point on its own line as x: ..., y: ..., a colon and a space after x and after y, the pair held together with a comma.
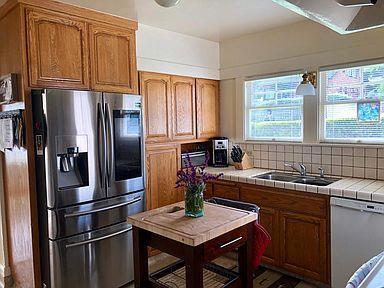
x: 246, y: 163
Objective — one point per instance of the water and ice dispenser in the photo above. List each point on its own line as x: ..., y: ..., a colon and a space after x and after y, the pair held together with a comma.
x: 72, y: 161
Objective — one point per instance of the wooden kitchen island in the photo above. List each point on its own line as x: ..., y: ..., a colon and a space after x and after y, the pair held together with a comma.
x: 196, y: 241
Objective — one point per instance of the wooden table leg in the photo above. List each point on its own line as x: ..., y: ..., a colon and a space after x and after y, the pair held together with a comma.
x: 245, y: 259
x: 140, y: 255
x: 194, y: 267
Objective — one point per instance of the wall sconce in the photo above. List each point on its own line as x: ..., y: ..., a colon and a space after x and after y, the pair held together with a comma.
x: 308, y: 85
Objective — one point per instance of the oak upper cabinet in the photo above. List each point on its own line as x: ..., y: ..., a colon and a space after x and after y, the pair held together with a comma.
x: 162, y: 166
x: 304, y: 245
x: 57, y: 50
x: 183, y: 108
x: 156, y: 91
x: 113, y: 59
x: 207, y: 99
x: 269, y: 219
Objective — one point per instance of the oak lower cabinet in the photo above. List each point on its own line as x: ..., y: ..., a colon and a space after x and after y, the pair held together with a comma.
x: 57, y: 50
x: 298, y: 223
x: 113, y: 59
x: 208, y: 110
x: 303, y: 245
x: 226, y: 190
x: 269, y: 219
x: 162, y: 166
x: 156, y: 91
x: 208, y: 193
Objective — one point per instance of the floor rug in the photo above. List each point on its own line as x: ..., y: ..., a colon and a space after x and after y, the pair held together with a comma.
x: 263, y: 278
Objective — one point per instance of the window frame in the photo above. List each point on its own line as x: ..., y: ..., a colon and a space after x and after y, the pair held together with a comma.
x: 247, y: 110
x: 322, y: 103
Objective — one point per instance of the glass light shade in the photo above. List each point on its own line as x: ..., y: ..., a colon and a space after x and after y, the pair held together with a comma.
x: 167, y: 3
x: 306, y: 89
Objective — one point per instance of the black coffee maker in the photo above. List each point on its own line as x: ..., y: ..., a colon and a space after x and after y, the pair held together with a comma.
x: 219, y: 152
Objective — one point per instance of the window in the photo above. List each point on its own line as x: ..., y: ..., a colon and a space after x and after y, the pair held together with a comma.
x: 273, y: 110
x: 352, y: 104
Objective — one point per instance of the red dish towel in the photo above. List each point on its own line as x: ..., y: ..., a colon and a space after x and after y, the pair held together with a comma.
x: 261, y: 239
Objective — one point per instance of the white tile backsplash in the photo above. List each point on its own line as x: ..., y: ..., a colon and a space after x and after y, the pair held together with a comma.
x: 370, y: 152
x: 316, y: 150
x: 347, y: 161
x: 307, y: 149
x: 298, y: 149
x: 326, y: 150
x: 336, y: 150
x: 280, y: 148
x: 288, y: 148
x: 370, y: 162
x: 347, y: 151
x: 358, y: 162
x: 361, y: 162
x: 358, y: 152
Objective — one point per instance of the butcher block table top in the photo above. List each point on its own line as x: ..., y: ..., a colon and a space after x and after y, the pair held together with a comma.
x: 169, y: 221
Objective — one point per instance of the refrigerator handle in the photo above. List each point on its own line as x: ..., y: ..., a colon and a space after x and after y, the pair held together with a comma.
x: 109, y: 139
x: 101, y: 157
x: 90, y: 241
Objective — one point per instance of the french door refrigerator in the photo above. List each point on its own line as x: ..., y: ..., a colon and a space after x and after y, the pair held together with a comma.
x: 89, y: 177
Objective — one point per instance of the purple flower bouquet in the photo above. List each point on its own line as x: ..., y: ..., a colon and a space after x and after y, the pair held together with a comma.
x: 194, y: 179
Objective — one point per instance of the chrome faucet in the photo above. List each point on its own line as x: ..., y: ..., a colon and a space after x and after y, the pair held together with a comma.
x: 321, y: 172
x: 302, y: 170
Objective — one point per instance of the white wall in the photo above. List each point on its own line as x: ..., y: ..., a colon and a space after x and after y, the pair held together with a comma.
x: 163, y: 51
x: 300, y: 46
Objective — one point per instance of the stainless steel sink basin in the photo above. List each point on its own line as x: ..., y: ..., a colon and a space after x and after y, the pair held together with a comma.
x: 277, y: 176
x: 315, y: 181
x: 289, y: 177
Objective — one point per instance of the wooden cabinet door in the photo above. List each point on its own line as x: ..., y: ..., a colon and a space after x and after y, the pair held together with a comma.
x: 162, y: 166
x: 156, y: 91
x: 183, y: 108
x: 207, y: 98
x: 303, y: 245
x: 269, y: 219
x: 57, y: 50
x: 227, y: 191
x: 208, y: 193
x: 113, y: 59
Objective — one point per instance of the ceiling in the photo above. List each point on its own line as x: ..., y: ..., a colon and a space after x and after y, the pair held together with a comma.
x: 215, y: 20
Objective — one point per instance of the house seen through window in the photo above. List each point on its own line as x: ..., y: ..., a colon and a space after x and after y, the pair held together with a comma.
x: 352, y: 104
x: 273, y: 110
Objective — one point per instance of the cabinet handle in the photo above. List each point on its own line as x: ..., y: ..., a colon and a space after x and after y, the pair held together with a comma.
x: 231, y: 242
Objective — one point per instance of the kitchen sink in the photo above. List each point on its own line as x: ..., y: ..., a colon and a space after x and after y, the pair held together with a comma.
x: 289, y: 177
x: 315, y: 181
x: 277, y: 176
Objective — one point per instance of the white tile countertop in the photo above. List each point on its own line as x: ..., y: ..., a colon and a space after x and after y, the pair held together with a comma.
x: 354, y: 188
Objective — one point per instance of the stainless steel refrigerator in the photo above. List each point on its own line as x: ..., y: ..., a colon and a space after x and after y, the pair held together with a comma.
x: 90, y: 176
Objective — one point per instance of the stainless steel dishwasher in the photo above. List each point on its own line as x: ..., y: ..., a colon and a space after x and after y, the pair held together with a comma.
x: 357, y: 234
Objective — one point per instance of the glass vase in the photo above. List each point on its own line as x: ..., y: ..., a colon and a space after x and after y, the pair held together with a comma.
x: 194, y: 201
